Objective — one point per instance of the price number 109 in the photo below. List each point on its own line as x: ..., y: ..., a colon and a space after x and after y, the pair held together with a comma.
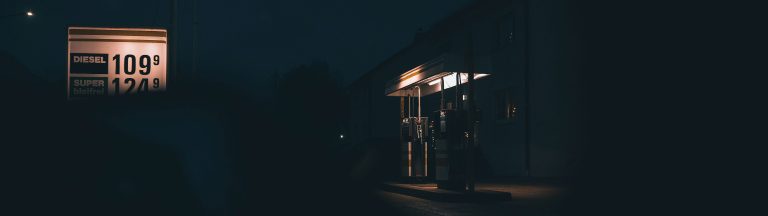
x: 129, y: 67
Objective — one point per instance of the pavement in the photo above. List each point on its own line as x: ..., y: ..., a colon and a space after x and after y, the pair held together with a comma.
x: 527, y: 198
x: 432, y: 192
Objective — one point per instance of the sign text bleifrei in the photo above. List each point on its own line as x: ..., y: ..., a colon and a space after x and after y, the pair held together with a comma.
x: 115, y: 61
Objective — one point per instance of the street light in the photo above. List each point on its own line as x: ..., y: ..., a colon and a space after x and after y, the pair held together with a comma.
x: 28, y: 13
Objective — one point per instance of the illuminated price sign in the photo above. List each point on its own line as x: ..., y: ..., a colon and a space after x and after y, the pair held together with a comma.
x: 115, y: 61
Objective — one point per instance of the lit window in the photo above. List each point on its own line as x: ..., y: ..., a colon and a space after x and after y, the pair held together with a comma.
x: 507, y: 107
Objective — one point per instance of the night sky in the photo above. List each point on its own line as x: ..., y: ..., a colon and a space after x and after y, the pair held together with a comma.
x: 238, y: 40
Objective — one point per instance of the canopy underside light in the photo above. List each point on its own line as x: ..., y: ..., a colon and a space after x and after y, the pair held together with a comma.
x: 450, y: 80
x: 430, y: 76
x: 432, y: 84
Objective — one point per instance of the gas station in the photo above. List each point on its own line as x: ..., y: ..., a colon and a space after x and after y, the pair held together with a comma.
x: 439, y: 123
x: 436, y: 142
x: 468, y: 108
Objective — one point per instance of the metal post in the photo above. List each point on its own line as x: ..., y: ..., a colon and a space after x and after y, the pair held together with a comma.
x: 526, y: 79
x: 173, y: 75
x: 442, y: 94
x: 194, y: 38
x: 458, y: 84
x: 471, y: 114
x: 402, y: 108
x: 409, y: 106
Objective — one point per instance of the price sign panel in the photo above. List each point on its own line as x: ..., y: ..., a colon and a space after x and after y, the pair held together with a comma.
x: 103, y: 62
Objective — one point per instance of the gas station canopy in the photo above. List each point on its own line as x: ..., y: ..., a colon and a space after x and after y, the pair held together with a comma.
x: 427, y: 77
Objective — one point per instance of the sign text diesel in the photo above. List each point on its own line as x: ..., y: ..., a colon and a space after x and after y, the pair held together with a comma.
x: 88, y: 63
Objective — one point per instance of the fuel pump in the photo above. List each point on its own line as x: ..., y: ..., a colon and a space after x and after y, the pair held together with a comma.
x: 451, y: 142
x: 450, y: 147
x: 415, y: 145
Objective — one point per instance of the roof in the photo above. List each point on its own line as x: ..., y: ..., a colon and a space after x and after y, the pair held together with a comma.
x: 437, y: 32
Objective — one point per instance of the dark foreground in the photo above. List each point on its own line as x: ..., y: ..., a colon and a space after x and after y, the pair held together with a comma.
x: 528, y: 199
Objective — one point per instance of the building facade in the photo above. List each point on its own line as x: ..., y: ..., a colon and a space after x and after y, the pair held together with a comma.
x: 529, y: 104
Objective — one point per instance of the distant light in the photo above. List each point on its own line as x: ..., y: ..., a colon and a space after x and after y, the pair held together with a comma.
x: 341, y: 136
x: 29, y: 13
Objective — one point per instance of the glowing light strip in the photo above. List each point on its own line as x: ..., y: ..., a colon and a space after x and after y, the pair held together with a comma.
x: 426, y: 159
x: 450, y: 79
x: 410, y: 172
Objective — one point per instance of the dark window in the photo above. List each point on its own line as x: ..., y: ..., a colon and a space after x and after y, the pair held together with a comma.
x: 505, y: 30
